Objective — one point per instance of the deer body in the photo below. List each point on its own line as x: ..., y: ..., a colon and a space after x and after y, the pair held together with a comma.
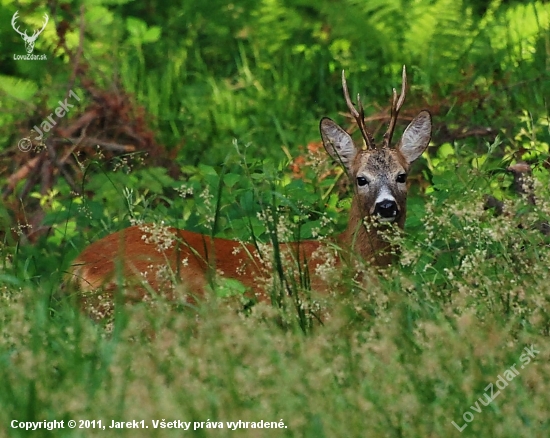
x: 378, y: 177
x: 189, y: 256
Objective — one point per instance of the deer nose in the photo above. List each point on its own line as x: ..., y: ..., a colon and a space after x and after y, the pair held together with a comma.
x: 386, y: 209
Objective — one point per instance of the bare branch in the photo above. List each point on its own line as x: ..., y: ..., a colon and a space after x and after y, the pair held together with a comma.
x: 93, y: 142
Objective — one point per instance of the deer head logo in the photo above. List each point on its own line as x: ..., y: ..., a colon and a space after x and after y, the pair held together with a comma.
x: 29, y: 40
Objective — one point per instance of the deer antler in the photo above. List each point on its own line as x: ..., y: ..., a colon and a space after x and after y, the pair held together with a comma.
x: 13, y: 20
x: 359, y: 116
x: 395, y: 107
x: 24, y: 34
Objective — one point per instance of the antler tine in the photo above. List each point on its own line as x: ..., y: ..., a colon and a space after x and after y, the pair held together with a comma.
x: 38, y: 32
x: 359, y: 116
x: 395, y: 108
x: 13, y: 24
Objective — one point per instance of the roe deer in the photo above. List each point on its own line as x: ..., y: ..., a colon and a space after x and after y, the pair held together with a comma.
x: 378, y: 177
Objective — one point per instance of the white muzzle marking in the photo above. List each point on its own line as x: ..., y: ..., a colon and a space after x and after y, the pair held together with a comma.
x: 384, y: 195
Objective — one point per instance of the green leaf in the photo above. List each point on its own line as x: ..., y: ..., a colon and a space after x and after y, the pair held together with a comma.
x: 231, y: 179
x: 152, y: 34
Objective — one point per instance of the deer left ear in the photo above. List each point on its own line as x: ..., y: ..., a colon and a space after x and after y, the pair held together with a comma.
x: 416, y: 137
x: 338, y: 143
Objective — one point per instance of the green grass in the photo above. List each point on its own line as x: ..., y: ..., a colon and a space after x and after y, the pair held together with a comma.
x: 403, y: 352
x: 407, y: 370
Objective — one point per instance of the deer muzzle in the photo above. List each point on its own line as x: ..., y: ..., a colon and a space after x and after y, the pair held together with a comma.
x: 387, y: 210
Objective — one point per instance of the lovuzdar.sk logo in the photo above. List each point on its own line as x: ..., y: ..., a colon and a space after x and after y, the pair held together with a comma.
x: 29, y: 40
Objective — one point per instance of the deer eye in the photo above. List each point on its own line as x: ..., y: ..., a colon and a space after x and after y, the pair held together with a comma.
x: 401, y: 178
x: 362, y: 181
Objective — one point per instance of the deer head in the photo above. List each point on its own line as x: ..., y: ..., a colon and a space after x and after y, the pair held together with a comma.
x: 378, y: 175
x: 29, y: 40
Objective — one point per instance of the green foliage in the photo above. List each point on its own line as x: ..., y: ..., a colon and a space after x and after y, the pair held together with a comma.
x: 411, y: 367
x: 264, y: 72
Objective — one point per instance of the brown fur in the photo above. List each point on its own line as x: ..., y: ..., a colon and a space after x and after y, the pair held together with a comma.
x: 189, y: 258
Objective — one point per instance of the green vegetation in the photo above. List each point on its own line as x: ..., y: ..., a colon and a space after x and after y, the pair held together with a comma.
x: 204, y: 115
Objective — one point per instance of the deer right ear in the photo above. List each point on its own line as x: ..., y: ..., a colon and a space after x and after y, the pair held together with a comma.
x: 338, y: 143
x: 416, y: 137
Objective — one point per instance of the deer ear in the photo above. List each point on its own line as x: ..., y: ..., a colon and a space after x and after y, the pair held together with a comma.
x: 338, y: 143
x: 416, y: 137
